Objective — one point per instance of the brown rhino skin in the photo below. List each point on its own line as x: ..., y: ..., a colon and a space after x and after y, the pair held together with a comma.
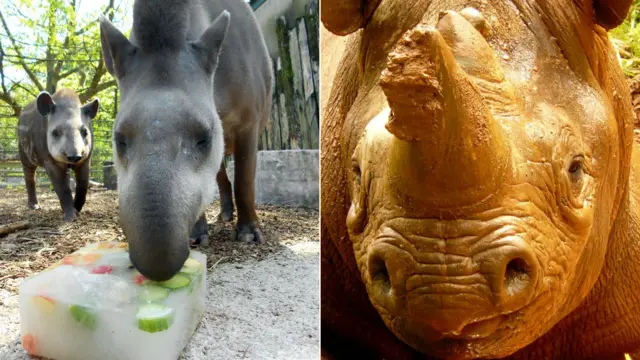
x: 606, y: 323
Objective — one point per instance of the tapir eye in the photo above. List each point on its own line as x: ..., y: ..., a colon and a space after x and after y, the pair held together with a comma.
x: 204, y: 141
x: 576, y: 167
x: 84, y: 132
x: 55, y: 133
x: 121, y: 145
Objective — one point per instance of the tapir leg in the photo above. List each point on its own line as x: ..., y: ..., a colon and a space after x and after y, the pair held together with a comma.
x: 82, y: 185
x: 226, y: 195
x: 248, y: 226
x: 60, y: 180
x: 29, y: 172
x: 30, y: 184
x: 200, y: 232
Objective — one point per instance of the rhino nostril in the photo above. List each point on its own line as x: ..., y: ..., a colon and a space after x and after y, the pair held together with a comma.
x: 516, y: 276
x: 379, y: 274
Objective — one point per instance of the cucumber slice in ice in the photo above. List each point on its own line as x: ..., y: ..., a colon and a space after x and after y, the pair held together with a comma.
x: 195, y: 282
x: 191, y: 266
x: 154, y: 317
x: 152, y: 293
x: 84, y: 316
x: 177, y: 282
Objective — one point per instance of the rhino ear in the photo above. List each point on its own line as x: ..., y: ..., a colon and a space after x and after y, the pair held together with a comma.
x: 344, y: 17
x: 45, y: 104
x: 117, y: 50
x: 208, y: 46
x: 611, y: 13
x: 91, y: 109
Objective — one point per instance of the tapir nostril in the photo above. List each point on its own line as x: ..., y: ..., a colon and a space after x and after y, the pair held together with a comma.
x: 74, y: 159
x: 516, y: 276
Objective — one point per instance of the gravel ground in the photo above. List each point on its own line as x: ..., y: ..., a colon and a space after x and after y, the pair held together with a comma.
x: 263, y: 300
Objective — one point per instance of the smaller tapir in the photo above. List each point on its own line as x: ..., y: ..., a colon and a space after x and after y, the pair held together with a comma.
x: 56, y: 132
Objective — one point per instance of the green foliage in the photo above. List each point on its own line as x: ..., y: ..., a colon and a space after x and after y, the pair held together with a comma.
x: 48, y: 45
x: 626, y: 39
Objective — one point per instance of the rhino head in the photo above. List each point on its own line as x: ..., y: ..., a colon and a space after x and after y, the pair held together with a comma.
x: 483, y: 193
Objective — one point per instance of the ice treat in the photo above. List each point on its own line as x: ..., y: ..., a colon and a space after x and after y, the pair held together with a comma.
x: 93, y: 304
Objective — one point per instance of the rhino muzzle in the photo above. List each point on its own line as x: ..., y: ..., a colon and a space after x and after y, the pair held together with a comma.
x: 463, y: 288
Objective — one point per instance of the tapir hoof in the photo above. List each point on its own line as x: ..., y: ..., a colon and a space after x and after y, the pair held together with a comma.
x: 249, y: 233
x: 203, y: 241
x: 71, y: 216
x: 225, y: 216
x: 34, y: 206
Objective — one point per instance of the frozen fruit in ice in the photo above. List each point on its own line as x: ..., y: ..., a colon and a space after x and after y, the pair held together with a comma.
x: 191, y: 266
x: 176, y: 282
x: 44, y: 303
x: 84, y: 316
x: 81, y: 259
x: 30, y: 344
x: 152, y: 293
x: 154, y: 317
x: 139, y: 278
x: 116, y: 246
x: 102, y: 269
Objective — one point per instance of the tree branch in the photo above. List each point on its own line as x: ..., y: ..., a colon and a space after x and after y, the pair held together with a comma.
x: 17, y: 110
x: 92, y: 91
x: 69, y: 73
x: 6, y: 94
x: 30, y: 73
x: 95, y: 85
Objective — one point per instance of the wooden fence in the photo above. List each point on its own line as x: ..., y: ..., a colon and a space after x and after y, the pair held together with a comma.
x: 294, y: 121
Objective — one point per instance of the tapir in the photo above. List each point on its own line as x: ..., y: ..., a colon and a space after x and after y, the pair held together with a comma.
x: 480, y: 182
x: 196, y: 83
x: 56, y: 132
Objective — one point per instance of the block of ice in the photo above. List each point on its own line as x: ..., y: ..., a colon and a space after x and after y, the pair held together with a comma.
x: 94, y: 305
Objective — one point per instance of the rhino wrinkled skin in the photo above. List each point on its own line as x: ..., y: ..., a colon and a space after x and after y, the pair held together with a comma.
x: 483, y: 198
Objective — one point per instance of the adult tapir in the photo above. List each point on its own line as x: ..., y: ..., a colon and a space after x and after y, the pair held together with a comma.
x: 56, y: 132
x: 168, y: 134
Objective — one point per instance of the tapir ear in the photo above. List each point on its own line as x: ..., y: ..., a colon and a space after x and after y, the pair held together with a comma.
x: 45, y: 103
x: 342, y: 17
x: 91, y: 109
x: 208, y: 46
x: 611, y: 13
x: 117, y: 50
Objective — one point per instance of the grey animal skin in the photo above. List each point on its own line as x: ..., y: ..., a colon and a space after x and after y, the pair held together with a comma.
x: 168, y: 134
x: 56, y: 132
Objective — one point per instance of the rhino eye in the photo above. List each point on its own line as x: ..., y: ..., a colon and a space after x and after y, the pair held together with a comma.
x: 356, y: 171
x: 576, y: 167
x: 84, y: 132
x: 55, y: 133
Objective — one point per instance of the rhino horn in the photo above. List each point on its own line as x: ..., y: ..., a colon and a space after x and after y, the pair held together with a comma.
x: 448, y: 140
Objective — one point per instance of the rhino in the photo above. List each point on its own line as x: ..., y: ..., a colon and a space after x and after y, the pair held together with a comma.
x: 56, y: 132
x: 195, y: 80
x: 480, y: 182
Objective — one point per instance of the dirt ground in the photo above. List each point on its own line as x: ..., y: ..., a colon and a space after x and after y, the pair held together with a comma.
x: 263, y: 300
